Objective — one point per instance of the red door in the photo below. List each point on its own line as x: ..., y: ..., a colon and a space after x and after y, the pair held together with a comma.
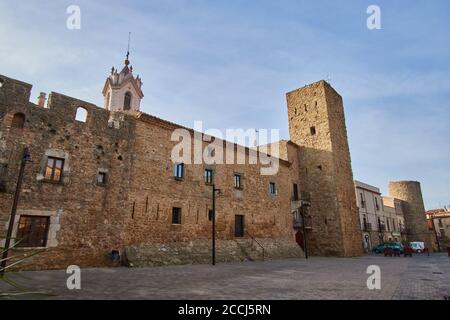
x: 300, y: 240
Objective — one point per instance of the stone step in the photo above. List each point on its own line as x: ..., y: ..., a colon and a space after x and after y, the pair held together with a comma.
x: 249, y: 249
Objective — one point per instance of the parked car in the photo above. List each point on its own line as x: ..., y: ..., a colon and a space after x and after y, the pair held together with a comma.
x: 417, y: 246
x: 396, y: 246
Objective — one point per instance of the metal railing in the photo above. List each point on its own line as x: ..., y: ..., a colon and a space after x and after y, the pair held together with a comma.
x: 367, y: 226
x: 258, y: 243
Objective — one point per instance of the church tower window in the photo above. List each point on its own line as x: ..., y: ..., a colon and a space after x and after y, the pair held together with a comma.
x: 127, y: 101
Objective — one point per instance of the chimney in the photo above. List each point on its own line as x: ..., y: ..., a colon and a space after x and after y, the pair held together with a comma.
x: 41, y: 100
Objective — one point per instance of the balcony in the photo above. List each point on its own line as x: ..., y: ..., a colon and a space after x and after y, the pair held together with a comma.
x: 295, y: 204
x: 305, y: 196
x: 298, y: 222
x: 367, y: 226
x: 303, y: 200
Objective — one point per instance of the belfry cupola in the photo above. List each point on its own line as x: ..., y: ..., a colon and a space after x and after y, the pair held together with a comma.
x: 122, y: 90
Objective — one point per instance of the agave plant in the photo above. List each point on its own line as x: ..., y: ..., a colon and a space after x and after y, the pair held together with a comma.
x: 6, y: 272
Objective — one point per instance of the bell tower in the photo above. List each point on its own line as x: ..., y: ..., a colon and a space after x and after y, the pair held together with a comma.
x: 122, y: 90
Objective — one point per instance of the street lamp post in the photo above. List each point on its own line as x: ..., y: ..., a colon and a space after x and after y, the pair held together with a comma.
x: 25, y: 158
x: 213, y: 218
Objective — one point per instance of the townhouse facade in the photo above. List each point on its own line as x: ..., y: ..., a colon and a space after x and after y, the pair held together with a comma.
x: 391, y: 219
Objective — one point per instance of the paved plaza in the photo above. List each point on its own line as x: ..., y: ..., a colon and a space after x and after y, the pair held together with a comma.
x: 420, y: 277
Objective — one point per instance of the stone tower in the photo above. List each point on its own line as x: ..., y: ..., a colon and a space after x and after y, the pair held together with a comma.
x: 317, y: 125
x: 122, y: 91
x: 414, y: 210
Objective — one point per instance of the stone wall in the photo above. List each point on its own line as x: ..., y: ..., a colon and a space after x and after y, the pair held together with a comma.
x: 200, y: 252
x: 154, y: 192
x: 90, y: 216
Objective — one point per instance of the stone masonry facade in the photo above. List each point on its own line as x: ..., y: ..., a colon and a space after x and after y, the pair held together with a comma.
x: 132, y: 211
x: 410, y: 193
x: 317, y: 126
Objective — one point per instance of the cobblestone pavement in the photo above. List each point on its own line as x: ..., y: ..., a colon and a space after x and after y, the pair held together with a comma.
x: 420, y: 277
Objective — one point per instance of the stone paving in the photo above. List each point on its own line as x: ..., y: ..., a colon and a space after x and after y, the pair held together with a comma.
x: 420, y: 277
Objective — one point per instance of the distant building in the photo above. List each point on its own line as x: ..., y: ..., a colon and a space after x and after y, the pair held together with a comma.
x: 370, y: 205
x: 397, y: 217
x: 439, y: 223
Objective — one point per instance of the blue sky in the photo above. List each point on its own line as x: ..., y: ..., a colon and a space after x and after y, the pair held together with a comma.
x: 230, y: 63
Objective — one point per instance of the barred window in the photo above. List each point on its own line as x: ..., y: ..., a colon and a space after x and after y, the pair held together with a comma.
x: 32, y: 231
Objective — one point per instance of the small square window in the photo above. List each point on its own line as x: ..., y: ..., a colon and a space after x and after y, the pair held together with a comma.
x: 313, y: 130
x: 54, y: 169
x: 176, y: 215
x: 237, y: 181
x: 179, y: 171
x: 272, y: 188
x: 210, y: 215
x: 101, y: 178
x: 209, y: 176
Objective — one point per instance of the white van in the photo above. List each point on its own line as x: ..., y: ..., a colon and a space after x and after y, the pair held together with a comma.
x: 417, y: 246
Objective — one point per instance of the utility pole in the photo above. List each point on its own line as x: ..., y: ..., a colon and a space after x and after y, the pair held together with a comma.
x: 25, y: 158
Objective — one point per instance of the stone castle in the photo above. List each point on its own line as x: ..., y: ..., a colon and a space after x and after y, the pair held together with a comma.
x: 104, y: 184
